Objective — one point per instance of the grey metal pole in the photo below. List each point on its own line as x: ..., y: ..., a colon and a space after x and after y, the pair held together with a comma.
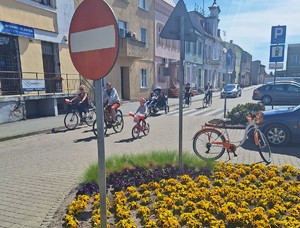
x: 225, y: 88
x: 274, y: 85
x: 101, y: 151
x: 182, y: 55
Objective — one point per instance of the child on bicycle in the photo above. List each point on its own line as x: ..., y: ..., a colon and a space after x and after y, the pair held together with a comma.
x: 141, y: 111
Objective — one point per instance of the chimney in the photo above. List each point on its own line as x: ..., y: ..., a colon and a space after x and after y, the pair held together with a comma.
x: 231, y: 41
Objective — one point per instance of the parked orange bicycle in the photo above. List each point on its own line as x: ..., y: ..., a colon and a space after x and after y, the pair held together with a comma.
x: 211, y: 141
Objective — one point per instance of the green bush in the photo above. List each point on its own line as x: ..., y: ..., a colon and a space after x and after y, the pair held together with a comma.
x: 238, y: 113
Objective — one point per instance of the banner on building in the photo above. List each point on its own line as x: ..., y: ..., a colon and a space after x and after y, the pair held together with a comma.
x: 16, y: 30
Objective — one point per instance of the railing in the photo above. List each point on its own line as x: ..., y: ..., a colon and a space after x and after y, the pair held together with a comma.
x: 34, y: 83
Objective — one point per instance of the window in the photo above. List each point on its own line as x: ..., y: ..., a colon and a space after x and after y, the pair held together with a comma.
x: 143, y: 4
x: 161, y: 76
x: 122, y: 28
x: 199, y: 48
x: 293, y: 89
x: 144, y: 35
x: 294, y: 59
x: 144, y: 79
x: 194, y: 48
x: 188, y: 47
x: 44, y: 2
x: 279, y: 88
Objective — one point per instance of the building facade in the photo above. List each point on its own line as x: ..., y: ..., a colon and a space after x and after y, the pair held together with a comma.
x: 293, y: 61
x: 166, y: 51
x: 34, y: 39
x: 213, y: 64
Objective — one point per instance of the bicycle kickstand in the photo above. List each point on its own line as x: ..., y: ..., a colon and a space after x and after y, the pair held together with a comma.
x: 231, y: 149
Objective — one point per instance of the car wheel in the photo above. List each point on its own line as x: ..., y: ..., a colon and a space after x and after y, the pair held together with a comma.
x: 266, y: 100
x: 240, y: 94
x: 277, y: 134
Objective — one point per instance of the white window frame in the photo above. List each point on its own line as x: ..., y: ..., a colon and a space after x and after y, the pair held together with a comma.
x: 123, y: 26
x: 144, y: 35
x: 143, y: 4
x: 144, y: 78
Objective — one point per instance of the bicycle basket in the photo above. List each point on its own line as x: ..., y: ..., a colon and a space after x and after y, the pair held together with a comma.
x: 259, y: 118
x: 68, y: 102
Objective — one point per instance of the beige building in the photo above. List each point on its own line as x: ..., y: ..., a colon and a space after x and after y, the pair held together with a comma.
x: 133, y: 73
x: 33, y: 44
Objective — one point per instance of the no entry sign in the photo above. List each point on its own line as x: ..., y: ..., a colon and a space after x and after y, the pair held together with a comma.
x: 93, y: 39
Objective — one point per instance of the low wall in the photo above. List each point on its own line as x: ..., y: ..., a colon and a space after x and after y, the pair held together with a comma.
x: 17, y: 108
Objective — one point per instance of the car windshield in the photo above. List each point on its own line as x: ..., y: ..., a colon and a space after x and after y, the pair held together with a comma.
x: 230, y: 87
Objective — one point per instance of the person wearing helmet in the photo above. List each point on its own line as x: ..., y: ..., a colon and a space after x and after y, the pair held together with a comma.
x: 142, y: 109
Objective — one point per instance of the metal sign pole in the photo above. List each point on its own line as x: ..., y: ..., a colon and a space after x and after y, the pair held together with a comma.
x: 274, y: 85
x: 225, y: 89
x: 101, y: 151
x: 182, y: 54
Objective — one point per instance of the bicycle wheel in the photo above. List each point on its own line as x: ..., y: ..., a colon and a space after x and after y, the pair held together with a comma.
x: 204, y: 102
x: 71, y: 120
x: 146, y: 128
x: 135, y: 132
x: 262, y: 145
x: 204, y: 144
x: 91, y: 117
x: 95, y: 128
x: 119, y: 124
x: 167, y: 109
x: 209, y: 102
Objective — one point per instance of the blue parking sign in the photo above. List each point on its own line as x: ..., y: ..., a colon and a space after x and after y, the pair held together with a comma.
x: 276, y: 53
x: 278, y: 34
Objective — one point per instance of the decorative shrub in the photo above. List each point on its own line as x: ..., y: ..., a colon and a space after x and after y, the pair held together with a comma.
x: 238, y: 113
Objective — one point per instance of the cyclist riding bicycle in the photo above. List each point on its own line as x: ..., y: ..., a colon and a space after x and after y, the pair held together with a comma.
x: 111, y: 98
x: 83, y: 102
x: 208, y: 92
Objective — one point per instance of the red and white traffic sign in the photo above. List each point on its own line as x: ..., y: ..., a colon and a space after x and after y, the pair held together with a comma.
x: 93, y: 39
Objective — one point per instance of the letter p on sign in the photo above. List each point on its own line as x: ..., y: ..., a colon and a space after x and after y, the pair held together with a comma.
x: 278, y: 34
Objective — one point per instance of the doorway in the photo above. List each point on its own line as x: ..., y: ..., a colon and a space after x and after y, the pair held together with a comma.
x: 51, y: 67
x: 125, y: 83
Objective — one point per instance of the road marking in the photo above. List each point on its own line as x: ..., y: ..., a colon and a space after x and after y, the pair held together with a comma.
x: 93, y: 39
x: 196, y: 112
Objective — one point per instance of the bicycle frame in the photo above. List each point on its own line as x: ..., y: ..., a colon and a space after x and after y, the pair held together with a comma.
x: 231, y: 146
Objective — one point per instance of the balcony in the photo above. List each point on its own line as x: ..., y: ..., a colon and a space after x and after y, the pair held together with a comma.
x: 130, y: 47
x: 216, y: 62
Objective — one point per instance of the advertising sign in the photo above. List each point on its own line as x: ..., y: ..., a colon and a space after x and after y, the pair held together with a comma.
x: 17, y: 30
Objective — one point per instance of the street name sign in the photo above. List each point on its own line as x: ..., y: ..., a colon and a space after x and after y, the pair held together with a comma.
x: 93, y: 39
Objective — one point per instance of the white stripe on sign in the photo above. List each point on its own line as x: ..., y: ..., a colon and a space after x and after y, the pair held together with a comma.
x: 93, y: 39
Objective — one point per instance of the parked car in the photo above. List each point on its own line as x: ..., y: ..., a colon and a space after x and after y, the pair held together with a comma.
x: 285, y: 92
x: 232, y: 90
x: 282, y: 126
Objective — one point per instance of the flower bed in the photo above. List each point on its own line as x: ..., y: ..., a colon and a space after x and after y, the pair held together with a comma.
x: 232, y: 196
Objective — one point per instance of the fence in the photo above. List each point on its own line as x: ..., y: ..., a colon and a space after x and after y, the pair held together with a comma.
x: 34, y: 83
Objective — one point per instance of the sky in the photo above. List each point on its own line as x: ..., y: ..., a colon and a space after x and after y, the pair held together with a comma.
x: 248, y: 23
